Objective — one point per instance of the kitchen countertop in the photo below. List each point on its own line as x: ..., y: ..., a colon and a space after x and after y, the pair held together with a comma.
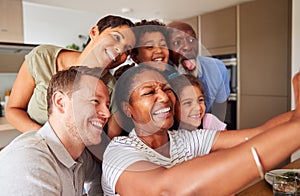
x: 4, y: 125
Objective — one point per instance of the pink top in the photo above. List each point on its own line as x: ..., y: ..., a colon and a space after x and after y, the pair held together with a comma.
x: 211, y: 122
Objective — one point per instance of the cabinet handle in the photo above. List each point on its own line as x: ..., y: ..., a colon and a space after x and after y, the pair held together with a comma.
x: 3, y: 30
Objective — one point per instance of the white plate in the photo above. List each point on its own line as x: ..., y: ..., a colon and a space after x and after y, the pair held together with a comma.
x: 269, y: 178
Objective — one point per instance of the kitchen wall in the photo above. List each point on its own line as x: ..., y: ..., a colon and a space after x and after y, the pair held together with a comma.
x: 58, y: 26
x: 295, y: 51
x: 295, y: 41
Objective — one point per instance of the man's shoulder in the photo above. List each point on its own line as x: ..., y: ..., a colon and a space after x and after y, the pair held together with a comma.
x: 25, y: 148
x: 26, y: 153
x: 23, y: 163
x: 210, y: 59
x: 210, y: 63
x: 24, y: 140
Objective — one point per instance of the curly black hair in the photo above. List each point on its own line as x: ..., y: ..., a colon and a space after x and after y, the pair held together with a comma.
x: 147, y: 26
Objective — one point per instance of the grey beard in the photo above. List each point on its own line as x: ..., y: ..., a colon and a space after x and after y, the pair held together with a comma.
x: 182, y: 70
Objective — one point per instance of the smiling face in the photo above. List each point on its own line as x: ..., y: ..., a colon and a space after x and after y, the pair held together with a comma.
x: 184, y: 43
x: 110, y: 48
x: 152, y: 50
x: 90, y: 110
x: 190, y: 107
x: 183, y: 47
x: 151, y: 103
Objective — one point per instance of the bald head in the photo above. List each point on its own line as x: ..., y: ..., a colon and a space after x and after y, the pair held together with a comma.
x: 182, y: 26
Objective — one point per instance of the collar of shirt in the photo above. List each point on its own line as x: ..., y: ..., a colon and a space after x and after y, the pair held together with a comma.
x: 56, y: 146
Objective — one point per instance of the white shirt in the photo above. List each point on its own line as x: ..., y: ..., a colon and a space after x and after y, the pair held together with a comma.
x: 124, y: 151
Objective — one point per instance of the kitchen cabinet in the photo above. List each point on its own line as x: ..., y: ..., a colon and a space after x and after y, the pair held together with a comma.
x: 12, y: 56
x: 193, y: 21
x: 218, y: 32
x: 258, y: 32
x: 264, y: 60
x: 11, y: 23
x: 11, y: 63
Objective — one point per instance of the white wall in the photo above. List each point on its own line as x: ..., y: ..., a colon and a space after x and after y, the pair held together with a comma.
x: 295, y: 41
x: 295, y: 50
x: 58, y: 26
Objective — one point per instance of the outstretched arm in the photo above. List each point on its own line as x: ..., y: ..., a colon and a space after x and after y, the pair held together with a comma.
x: 235, y: 137
x: 232, y: 168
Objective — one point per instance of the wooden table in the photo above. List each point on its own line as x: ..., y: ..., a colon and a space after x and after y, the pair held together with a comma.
x: 262, y: 188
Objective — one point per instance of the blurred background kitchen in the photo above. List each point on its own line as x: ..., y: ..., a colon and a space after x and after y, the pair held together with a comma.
x: 257, y: 39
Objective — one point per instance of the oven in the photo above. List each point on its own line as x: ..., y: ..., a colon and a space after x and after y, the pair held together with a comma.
x: 230, y: 61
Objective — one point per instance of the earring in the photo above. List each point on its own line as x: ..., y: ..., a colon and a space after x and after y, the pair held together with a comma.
x: 128, y: 114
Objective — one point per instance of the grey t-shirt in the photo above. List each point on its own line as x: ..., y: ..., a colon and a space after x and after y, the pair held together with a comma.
x: 36, y: 163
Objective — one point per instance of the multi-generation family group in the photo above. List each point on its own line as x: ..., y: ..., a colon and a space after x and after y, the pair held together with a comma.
x: 162, y: 115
